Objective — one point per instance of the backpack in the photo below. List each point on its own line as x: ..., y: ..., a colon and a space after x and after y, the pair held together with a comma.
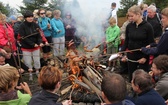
x: 158, y: 18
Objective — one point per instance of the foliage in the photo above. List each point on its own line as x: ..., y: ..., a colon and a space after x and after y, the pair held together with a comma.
x: 125, y: 5
x: 33, y: 4
x: 3, y: 9
x: 159, y: 3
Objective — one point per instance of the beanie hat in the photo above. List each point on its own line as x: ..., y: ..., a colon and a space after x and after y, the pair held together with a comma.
x: 28, y: 14
x: 12, y: 17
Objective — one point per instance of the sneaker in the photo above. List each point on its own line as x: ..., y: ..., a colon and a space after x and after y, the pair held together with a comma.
x: 108, y: 68
x: 112, y: 69
x: 37, y: 73
x: 30, y: 78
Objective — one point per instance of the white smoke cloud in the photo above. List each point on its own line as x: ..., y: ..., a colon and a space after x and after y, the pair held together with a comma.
x: 89, y: 15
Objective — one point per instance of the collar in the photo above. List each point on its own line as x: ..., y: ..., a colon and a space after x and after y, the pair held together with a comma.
x: 118, y: 103
x: 144, y: 92
x: 49, y: 95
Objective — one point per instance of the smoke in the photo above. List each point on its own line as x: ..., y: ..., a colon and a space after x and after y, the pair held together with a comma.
x: 89, y: 16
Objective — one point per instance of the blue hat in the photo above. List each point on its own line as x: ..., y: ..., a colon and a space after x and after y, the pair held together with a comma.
x: 12, y: 17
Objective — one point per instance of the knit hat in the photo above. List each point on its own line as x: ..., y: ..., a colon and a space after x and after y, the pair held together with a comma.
x: 12, y: 17
x: 28, y: 14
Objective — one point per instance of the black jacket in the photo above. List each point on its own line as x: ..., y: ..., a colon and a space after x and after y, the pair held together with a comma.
x: 29, y: 33
x: 44, y: 98
x: 138, y: 36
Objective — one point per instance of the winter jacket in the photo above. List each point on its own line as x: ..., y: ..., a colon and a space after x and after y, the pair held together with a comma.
x: 44, y: 98
x: 112, y: 35
x: 29, y: 33
x: 58, y: 29
x: 150, y: 97
x: 7, y: 35
x: 23, y: 99
x: 43, y: 22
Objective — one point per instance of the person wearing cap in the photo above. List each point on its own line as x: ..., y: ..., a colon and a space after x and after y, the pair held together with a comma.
x: 31, y: 42
x: 12, y: 20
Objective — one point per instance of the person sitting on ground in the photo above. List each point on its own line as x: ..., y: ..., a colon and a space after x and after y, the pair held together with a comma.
x: 10, y: 59
x: 114, y: 90
x: 8, y: 82
x: 50, y: 81
x: 142, y: 85
x: 160, y: 69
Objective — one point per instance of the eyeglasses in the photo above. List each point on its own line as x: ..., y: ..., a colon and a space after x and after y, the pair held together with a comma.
x: 42, y: 13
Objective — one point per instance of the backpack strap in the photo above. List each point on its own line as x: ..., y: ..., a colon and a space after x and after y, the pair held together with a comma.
x: 158, y: 17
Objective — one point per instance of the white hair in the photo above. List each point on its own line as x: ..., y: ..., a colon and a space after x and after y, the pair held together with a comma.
x: 152, y: 7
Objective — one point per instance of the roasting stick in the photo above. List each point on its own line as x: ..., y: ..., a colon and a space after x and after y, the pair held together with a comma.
x: 99, y: 97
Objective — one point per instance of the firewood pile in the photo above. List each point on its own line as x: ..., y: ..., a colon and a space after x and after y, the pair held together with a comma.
x: 82, y: 75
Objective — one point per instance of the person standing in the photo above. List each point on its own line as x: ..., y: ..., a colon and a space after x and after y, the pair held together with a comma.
x: 161, y: 47
x: 70, y: 29
x: 58, y: 33
x: 139, y: 34
x: 31, y: 42
x: 112, y: 40
x: 45, y: 25
x: 155, y: 20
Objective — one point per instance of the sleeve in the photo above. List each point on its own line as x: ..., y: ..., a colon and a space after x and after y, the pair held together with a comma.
x: 43, y: 27
x: 3, y: 40
x: 162, y: 45
x: 54, y: 27
x: 149, y: 51
x: 125, y: 45
x: 150, y: 34
x: 39, y: 37
x: 160, y: 88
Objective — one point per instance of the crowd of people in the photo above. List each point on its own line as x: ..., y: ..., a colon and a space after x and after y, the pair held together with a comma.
x: 143, y: 35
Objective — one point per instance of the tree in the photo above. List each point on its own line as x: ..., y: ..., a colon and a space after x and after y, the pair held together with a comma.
x: 7, y: 10
x: 33, y: 4
x: 3, y: 9
x: 159, y: 3
x: 125, y: 5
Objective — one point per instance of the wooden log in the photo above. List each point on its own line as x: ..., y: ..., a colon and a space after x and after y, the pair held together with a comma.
x: 66, y: 90
x: 94, y: 88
